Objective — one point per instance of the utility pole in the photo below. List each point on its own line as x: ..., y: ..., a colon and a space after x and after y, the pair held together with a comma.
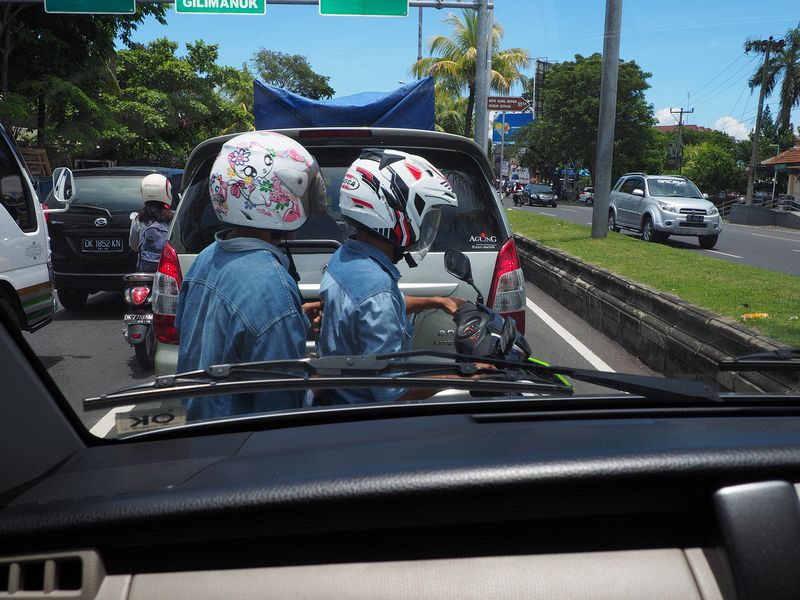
x: 481, y: 87
x: 681, y: 112
x: 765, y: 46
x: 419, y: 37
x: 608, y: 111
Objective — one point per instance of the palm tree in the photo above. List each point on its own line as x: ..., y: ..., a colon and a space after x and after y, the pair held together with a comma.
x: 450, y: 111
x: 452, y: 61
x: 783, y: 65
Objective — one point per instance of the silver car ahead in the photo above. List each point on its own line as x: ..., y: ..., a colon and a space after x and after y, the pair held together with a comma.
x: 477, y: 227
x: 663, y: 205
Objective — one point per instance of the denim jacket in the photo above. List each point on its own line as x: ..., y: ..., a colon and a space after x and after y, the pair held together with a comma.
x: 364, y: 313
x: 238, y: 303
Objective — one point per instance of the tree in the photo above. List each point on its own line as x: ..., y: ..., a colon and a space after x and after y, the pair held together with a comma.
x: 291, y: 72
x: 566, y: 131
x: 452, y: 61
x: 53, y: 70
x: 784, y: 65
x: 168, y: 104
x: 450, y: 111
x: 711, y: 167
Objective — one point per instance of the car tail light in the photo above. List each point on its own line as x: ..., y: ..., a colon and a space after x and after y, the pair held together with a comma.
x: 334, y: 133
x: 507, y: 294
x: 166, y: 286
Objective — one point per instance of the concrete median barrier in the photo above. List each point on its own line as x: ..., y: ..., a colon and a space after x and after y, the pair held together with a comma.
x: 668, y: 334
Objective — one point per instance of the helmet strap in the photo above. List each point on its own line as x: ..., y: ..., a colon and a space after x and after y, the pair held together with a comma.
x: 292, y: 268
x: 410, y: 260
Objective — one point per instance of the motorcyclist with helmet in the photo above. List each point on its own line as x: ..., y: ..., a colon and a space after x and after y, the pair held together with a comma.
x: 149, y: 228
x: 392, y: 200
x: 239, y: 301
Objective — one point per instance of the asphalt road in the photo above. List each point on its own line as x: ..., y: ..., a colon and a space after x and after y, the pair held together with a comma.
x: 86, y: 354
x: 774, y: 248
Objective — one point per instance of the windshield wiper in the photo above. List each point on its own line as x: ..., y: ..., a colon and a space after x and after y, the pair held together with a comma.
x: 782, y: 359
x: 339, y: 372
x: 395, y: 370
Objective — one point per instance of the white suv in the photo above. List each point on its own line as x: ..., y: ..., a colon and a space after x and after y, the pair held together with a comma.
x: 663, y: 205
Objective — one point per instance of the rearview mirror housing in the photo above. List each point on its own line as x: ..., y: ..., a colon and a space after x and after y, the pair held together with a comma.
x: 63, y: 189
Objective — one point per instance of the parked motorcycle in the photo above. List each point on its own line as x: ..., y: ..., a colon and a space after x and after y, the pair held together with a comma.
x: 480, y: 331
x: 138, y: 317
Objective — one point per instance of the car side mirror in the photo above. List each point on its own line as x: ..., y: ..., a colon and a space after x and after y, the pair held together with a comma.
x: 63, y: 189
x: 638, y: 192
x: 705, y: 196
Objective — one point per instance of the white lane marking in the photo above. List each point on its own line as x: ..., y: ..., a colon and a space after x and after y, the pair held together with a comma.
x: 590, y: 356
x: 106, y: 424
x: 774, y: 237
x: 723, y: 253
x: 795, y: 250
x: 548, y: 214
x: 570, y: 209
x: 589, y: 223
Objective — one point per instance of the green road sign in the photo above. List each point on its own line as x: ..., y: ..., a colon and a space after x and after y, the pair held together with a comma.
x: 97, y: 7
x: 217, y: 7
x: 364, y: 8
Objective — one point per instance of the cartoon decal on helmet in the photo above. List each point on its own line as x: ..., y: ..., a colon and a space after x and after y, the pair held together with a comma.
x: 245, y: 171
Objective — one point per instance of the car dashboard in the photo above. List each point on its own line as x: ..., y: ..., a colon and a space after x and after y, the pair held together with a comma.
x: 419, y: 503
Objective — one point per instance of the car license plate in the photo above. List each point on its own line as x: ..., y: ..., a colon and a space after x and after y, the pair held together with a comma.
x: 144, y: 318
x: 102, y: 244
x: 695, y: 218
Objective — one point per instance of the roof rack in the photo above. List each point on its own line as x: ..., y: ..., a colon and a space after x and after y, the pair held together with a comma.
x: 636, y: 173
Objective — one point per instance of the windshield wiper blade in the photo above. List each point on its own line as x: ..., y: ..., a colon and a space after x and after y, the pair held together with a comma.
x: 782, y: 359
x: 334, y: 372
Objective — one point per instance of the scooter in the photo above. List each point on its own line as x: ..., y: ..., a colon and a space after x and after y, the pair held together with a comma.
x: 480, y: 331
x: 138, y: 319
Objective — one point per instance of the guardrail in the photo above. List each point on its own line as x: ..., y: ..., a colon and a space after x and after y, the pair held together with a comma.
x: 668, y: 334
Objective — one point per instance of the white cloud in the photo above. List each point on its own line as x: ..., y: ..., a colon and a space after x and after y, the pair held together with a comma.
x: 664, y: 117
x: 732, y: 127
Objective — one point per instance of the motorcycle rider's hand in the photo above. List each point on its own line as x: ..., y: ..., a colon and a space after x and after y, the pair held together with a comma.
x: 313, y: 311
x: 450, y: 304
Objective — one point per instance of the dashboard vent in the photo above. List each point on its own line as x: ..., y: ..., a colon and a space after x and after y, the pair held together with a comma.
x: 42, y: 574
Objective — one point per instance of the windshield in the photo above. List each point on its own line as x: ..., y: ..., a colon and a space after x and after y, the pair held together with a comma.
x: 103, y: 191
x: 243, y: 268
x: 680, y: 188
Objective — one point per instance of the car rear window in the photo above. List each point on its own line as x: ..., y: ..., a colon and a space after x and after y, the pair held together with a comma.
x: 541, y: 189
x: 112, y: 192
x: 474, y: 225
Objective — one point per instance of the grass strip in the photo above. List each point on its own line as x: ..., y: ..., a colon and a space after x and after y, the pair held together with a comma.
x: 726, y: 288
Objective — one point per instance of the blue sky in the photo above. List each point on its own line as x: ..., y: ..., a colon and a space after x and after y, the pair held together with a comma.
x: 690, y: 47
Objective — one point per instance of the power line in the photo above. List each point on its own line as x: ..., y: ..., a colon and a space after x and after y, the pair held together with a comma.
x: 697, y: 91
x: 710, y: 94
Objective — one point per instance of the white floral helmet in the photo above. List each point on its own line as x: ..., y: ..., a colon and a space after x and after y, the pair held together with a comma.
x: 265, y: 180
x: 396, y: 196
x: 156, y: 188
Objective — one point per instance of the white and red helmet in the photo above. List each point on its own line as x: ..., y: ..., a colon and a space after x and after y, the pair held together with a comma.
x: 396, y: 196
x: 265, y: 180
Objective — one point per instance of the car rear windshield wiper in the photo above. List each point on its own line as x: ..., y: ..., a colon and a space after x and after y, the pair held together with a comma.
x: 782, y: 359
x: 341, y: 372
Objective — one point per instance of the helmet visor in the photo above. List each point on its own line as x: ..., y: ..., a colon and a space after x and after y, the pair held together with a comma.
x: 427, y: 233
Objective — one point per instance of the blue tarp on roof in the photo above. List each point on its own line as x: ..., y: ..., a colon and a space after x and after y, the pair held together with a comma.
x: 410, y: 106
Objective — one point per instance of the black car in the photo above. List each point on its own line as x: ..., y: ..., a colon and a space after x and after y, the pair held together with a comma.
x: 540, y: 193
x: 89, y: 242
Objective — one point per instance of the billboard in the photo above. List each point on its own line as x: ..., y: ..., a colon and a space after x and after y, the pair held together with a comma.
x: 513, y: 123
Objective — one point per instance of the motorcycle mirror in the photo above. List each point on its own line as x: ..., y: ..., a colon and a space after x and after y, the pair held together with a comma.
x: 508, y: 336
x: 457, y: 264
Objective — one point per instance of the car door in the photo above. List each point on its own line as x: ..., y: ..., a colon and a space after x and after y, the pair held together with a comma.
x: 636, y: 204
x: 622, y: 201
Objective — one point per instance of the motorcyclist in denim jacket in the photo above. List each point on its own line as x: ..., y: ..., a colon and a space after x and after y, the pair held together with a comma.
x: 239, y: 301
